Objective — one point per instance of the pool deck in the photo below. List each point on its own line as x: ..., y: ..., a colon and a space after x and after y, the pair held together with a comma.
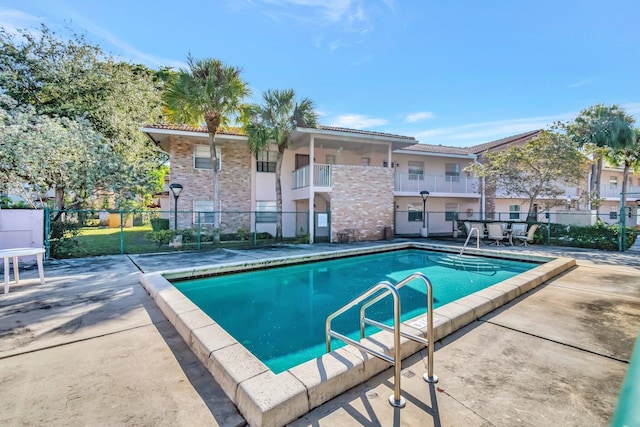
x: 90, y: 347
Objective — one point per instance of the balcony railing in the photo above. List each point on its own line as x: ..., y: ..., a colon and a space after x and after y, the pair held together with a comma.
x: 321, y: 176
x: 563, y: 191
x: 415, y: 183
x: 613, y: 191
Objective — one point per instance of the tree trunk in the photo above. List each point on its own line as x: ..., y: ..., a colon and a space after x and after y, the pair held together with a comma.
x: 59, y: 201
x: 596, y: 189
x: 625, y: 179
x: 212, y: 120
x: 279, y: 193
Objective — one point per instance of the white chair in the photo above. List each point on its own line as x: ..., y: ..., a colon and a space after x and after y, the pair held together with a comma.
x: 496, y: 233
x: 526, y: 238
x: 478, y: 226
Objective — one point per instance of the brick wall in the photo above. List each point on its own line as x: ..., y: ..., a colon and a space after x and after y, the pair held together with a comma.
x: 234, y: 178
x: 362, y: 198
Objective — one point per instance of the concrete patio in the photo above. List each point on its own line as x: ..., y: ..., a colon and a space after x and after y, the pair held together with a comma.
x: 91, y: 348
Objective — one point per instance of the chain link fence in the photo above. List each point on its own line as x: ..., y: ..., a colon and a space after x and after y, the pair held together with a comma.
x: 83, y: 233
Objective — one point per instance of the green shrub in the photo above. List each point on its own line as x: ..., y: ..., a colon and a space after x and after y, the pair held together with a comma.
x: 161, y: 237
x: 61, y: 238
x: 599, y: 236
x: 158, y: 224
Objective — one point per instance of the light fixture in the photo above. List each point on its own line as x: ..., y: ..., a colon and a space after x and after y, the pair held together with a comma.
x: 425, y: 196
x: 176, y: 189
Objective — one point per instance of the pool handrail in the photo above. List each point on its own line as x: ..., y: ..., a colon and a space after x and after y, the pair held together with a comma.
x: 429, y: 342
x: 395, y: 399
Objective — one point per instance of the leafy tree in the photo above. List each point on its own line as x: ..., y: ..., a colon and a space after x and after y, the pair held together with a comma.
x: 68, y: 77
x: 600, y: 129
x: 535, y: 168
x: 52, y: 152
x: 273, y: 122
x: 208, y: 91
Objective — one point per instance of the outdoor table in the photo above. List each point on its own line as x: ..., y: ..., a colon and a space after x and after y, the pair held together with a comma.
x: 15, y: 254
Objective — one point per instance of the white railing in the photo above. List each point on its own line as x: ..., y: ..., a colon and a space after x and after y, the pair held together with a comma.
x: 435, y: 183
x: 321, y: 176
x: 563, y: 189
x: 613, y: 191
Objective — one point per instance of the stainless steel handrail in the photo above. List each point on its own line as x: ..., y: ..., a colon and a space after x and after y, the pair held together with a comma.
x: 395, y: 399
x: 429, y: 342
x: 469, y: 236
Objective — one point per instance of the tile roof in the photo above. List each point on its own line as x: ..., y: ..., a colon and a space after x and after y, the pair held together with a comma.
x: 189, y: 128
x: 366, y: 132
x: 440, y: 149
x: 520, y: 138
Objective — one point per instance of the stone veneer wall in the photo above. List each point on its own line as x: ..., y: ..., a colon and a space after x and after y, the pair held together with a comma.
x: 362, y: 198
x: 235, y: 182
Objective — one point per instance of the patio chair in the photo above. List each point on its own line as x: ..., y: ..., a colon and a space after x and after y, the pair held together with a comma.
x: 496, y: 233
x: 478, y: 226
x: 526, y: 238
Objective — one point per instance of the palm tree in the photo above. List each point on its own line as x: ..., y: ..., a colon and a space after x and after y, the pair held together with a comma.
x: 273, y: 122
x: 629, y: 157
x: 601, y: 129
x: 208, y: 91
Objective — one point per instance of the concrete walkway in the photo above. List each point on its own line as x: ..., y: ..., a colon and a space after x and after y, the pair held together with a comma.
x: 91, y: 348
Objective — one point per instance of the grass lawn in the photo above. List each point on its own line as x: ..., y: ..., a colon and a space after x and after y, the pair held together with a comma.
x: 96, y: 241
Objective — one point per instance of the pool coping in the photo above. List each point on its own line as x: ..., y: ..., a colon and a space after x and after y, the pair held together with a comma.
x: 268, y: 399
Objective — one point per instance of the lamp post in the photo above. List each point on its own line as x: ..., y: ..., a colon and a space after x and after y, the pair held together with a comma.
x: 176, y: 189
x: 424, y: 231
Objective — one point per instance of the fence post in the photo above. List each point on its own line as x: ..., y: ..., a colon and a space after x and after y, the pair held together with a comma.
x: 255, y: 230
x: 121, y: 233
x: 47, y: 232
x: 199, y: 231
x: 549, y: 228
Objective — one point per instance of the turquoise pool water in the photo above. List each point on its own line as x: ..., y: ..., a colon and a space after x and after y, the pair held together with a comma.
x: 279, y: 314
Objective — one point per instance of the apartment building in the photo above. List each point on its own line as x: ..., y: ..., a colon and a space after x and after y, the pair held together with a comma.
x: 336, y: 179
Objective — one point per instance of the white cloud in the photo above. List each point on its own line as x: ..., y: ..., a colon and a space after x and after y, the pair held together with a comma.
x: 11, y: 20
x: 478, y: 133
x: 419, y: 116
x: 329, y: 20
x: 582, y: 82
x: 357, y: 121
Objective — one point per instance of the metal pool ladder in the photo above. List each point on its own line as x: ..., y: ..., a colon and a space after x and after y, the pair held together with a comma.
x: 378, y: 292
x: 466, y: 242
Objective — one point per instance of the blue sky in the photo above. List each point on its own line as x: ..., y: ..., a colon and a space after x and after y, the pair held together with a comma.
x: 452, y: 73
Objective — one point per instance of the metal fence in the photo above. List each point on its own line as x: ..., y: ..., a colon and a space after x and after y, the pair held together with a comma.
x: 81, y: 233
x: 562, y: 228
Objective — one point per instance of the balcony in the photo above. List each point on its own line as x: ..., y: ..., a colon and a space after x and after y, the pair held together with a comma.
x: 563, y: 190
x: 611, y: 191
x: 321, y: 176
x: 413, y: 184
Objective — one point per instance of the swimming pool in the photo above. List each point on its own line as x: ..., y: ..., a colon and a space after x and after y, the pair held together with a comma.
x: 278, y: 314
x: 265, y: 398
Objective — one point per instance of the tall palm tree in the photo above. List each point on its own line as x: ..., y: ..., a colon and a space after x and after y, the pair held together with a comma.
x: 207, y: 91
x: 601, y: 129
x: 272, y: 122
x: 629, y: 157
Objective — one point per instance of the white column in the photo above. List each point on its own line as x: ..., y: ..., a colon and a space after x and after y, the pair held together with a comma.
x: 311, y: 192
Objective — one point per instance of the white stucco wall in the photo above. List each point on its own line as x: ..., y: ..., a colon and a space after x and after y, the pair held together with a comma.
x: 21, y: 228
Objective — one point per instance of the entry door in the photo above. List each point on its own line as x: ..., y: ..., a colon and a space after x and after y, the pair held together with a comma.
x: 302, y: 160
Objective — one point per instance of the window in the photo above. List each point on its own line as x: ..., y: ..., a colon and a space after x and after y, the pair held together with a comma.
x: 414, y: 215
x: 613, y: 180
x: 266, y: 211
x: 266, y: 161
x: 613, y: 214
x: 204, y: 210
x: 514, y: 211
x: 451, y: 211
x: 330, y: 159
x: 452, y: 171
x: 202, y: 157
x: 365, y: 161
x: 416, y: 171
